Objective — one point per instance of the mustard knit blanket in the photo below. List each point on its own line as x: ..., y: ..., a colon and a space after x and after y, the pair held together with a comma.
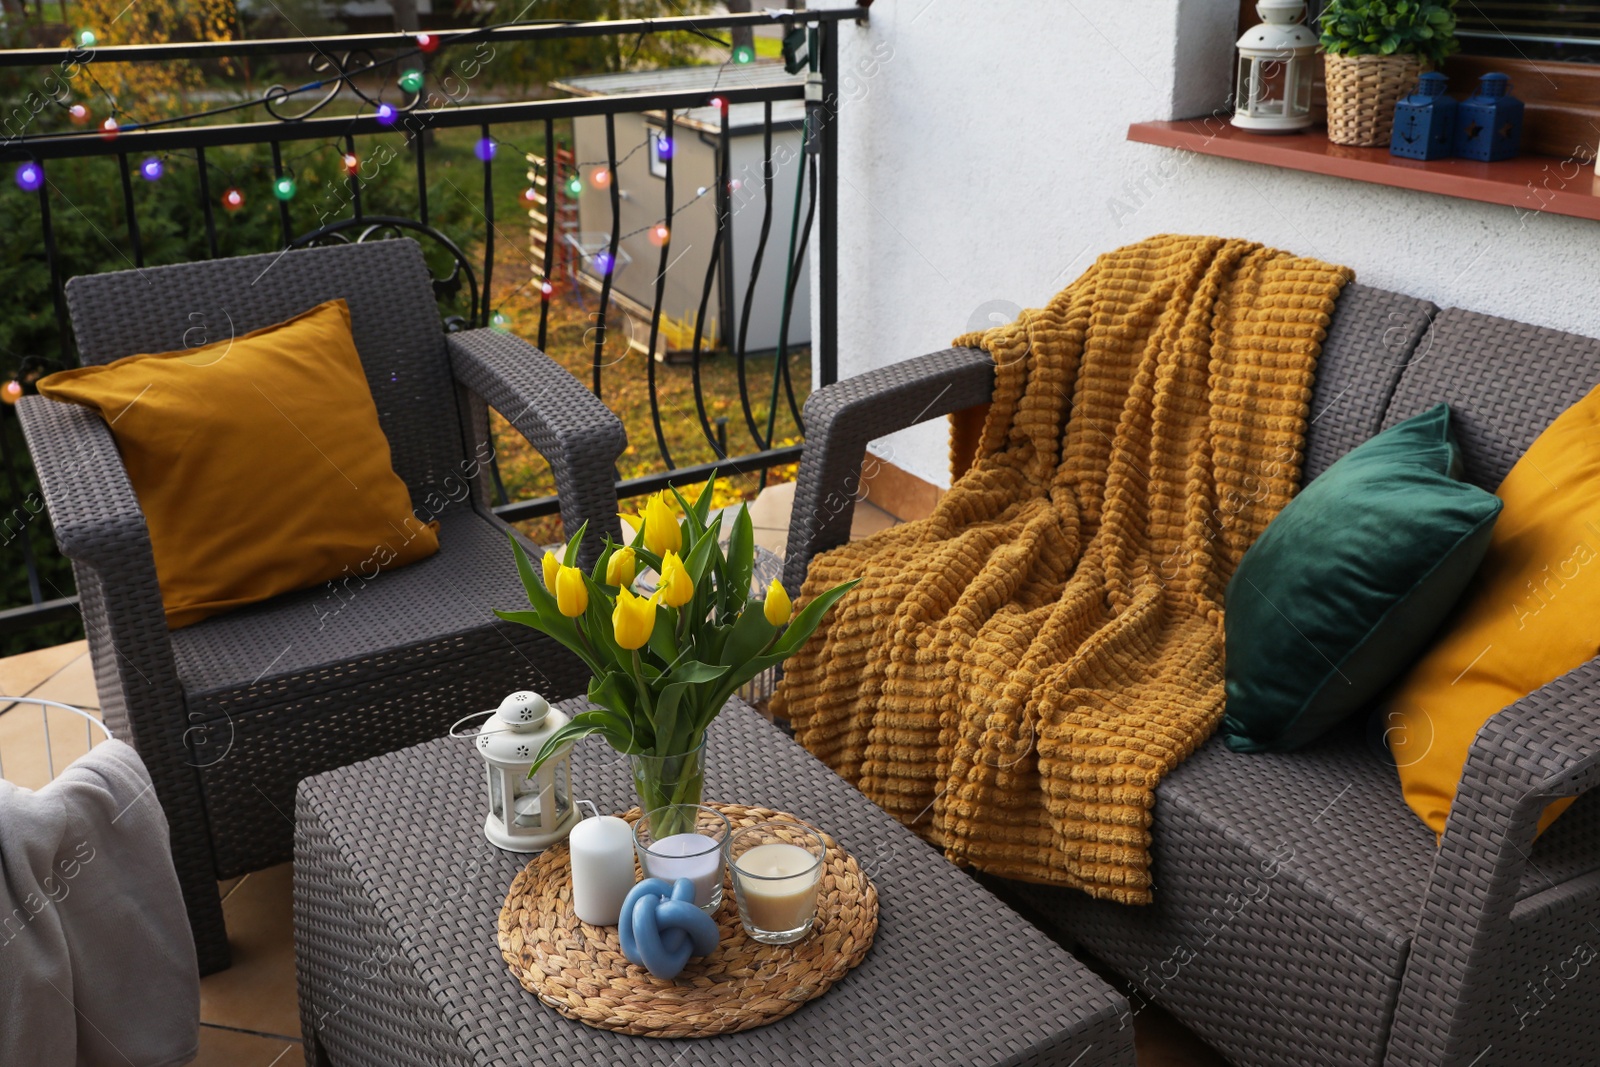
x: 1017, y: 672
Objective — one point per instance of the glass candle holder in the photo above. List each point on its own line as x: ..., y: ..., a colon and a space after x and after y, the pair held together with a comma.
x: 776, y: 869
x: 685, y: 841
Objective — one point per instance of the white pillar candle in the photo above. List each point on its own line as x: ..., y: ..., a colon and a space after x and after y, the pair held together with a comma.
x: 602, y: 868
x: 782, y: 895
x: 692, y: 856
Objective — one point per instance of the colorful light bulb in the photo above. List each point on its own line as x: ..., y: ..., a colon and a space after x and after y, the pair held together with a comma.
x: 600, y: 177
x: 744, y: 54
x: 11, y: 392
x: 663, y: 146
x: 386, y: 115
x: 546, y: 288
x: 152, y: 169
x: 485, y: 148
x: 29, y: 177
x: 284, y: 188
x: 411, y: 80
x: 79, y: 113
x: 351, y: 162
x: 574, y: 185
x: 658, y: 234
x: 498, y: 321
x: 232, y: 198
x: 719, y: 103
x: 735, y: 185
x: 427, y: 42
x: 603, y: 262
x: 109, y: 128
x: 530, y: 195
x: 87, y: 38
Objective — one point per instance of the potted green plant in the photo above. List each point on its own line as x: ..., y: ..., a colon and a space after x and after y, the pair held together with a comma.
x: 1375, y: 50
x: 664, y: 663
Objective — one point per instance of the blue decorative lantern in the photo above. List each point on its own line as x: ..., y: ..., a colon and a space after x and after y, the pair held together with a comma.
x: 1425, y: 121
x: 1489, y: 122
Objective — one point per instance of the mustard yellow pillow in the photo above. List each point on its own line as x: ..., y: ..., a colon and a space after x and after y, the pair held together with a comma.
x: 1531, y: 614
x: 258, y: 462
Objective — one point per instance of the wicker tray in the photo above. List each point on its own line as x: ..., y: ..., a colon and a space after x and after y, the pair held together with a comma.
x: 580, y: 971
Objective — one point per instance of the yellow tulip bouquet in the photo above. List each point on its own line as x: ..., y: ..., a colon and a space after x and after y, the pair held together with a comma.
x: 667, y: 662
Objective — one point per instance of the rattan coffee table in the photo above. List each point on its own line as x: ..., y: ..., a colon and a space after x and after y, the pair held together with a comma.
x: 396, y: 895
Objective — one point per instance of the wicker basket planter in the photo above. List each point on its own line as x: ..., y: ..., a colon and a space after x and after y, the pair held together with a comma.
x: 1362, y: 93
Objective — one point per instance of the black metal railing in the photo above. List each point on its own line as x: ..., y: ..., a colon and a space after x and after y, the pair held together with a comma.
x: 298, y: 114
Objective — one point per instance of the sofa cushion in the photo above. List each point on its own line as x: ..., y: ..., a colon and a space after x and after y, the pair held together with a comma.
x: 1344, y: 588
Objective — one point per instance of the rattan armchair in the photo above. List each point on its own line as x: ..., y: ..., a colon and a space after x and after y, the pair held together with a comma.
x: 1303, y: 915
x: 229, y: 714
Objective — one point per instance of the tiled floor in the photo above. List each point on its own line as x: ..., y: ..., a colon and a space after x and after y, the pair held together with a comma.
x: 249, y: 1016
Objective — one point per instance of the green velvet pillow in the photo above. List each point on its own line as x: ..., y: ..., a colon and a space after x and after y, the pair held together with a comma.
x: 1344, y: 589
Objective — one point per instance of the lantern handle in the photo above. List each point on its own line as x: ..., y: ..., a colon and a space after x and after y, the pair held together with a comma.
x: 464, y: 718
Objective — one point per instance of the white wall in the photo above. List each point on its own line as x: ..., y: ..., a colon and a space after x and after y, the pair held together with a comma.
x: 984, y: 164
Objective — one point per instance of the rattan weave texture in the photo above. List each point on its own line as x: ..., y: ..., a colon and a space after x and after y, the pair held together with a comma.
x: 230, y: 713
x: 397, y: 893
x: 580, y: 971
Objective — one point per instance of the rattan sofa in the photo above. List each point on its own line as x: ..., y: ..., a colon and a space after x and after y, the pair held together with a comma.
x: 1303, y: 914
x: 229, y: 714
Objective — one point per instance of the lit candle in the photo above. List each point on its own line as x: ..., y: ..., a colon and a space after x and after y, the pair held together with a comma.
x: 781, y: 892
x: 602, y: 868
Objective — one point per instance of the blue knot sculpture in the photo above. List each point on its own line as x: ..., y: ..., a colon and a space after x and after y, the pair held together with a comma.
x: 661, y: 928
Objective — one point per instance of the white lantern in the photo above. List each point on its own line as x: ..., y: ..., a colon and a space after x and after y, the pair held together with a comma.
x: 526, y: 814
x: 1273, y: 94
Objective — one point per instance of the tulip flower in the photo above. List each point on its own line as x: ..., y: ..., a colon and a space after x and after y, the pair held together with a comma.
x: 676, y: 588
x: 660, y: 522
x: 620, y: 567
x: 572, y: 596
x: 777, y: 607
x: 633, y: 619
x: 552, y: 564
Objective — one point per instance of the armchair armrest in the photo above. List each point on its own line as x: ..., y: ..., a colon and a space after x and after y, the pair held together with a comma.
x: 571, y: 428
x: 1544, y: 747
x: 841, y: 418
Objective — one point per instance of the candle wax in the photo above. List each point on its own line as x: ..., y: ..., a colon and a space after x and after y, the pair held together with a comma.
x: 783, y: 895
x: 692, y: 856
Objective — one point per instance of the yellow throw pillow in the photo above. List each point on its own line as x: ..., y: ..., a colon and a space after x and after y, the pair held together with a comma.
x: 1531, y: 615
x: 258, y: 462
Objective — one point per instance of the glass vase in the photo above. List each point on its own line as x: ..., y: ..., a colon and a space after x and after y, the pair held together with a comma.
x: 665, y: 781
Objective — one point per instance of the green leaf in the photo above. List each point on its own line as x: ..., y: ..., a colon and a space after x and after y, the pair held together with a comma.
x: 741, y: 560
x: 802, y: 625
x: 664, y: 639
x: 570, y: 556
x: 582, y: 725
x: 694, y: 672
x: 750, y: 634
x: 692, y: 519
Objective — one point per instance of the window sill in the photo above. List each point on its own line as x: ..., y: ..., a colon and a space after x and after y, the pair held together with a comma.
x: 1530, y: 184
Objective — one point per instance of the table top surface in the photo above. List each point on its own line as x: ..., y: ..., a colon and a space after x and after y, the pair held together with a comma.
x: 954, y: 976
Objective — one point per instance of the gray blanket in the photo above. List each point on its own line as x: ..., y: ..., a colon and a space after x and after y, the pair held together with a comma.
x: 97, y: 964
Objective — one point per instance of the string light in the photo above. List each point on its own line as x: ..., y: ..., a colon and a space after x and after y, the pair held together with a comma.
x: 411, y: 80
x: 109, y: 128
x: 531, y: 195
x: 719, y: 103
x: 11, y: 392
x: 735, y: 185
x: 386, y: 115
x: 603, y: 262
x: 546, y: 288
x: 232, y: 198
x: 663, y: 146
x: 427, y: 42
x: 351, y: 163
x: 744, y: 54
x: 484, y: 149
x: 574, y: 185
x: 29, y: 177
x: 601, y: 177
x: 79, y: 113
x: 499, y: 322
x: 152, y: 169
x: 86, y: 38
x: 283, y: 188
x: 659, y: 235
